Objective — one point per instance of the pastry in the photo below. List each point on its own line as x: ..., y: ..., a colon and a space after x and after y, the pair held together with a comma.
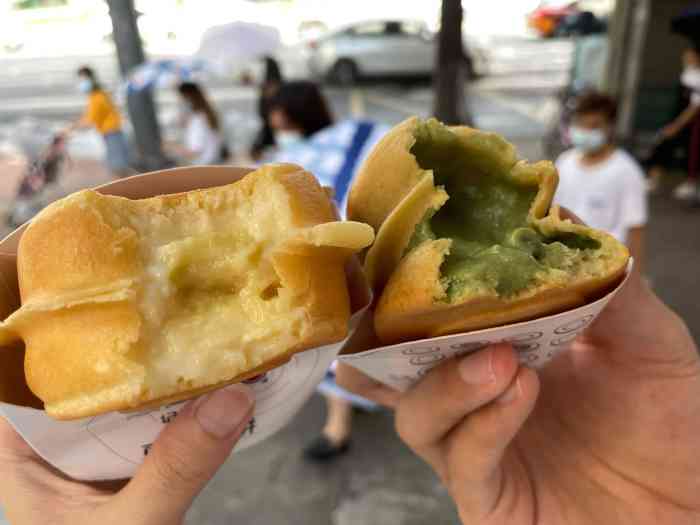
x: 128, y: 304
x: 467, y: 237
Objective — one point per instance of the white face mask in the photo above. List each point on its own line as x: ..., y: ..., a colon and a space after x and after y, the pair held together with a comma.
x: 587, y: 140
x: 691, y: 77
x: 284, y: 139
x: 85, y: 85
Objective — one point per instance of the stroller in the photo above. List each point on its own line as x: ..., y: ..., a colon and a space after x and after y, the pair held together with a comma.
x: 38, y: 183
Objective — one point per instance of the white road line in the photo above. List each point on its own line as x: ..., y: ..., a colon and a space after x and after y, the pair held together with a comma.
x: 397, y: 104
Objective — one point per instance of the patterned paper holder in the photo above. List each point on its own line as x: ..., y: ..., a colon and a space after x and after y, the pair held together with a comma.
x: 537, y: 342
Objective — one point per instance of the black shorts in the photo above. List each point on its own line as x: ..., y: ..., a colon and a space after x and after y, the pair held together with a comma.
x: 671, y: 153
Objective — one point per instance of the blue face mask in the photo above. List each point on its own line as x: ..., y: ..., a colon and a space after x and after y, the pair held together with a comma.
x: 85, y: 85
x: 587, y: 140
x: 285, y: 139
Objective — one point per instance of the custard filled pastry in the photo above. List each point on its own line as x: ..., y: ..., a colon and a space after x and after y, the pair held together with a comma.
x: 128, y: 304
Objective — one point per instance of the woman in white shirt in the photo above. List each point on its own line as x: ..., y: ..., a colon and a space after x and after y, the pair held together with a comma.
x: 203, y: 141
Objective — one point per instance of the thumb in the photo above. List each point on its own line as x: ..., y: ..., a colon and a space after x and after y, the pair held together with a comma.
x: 186, y: 456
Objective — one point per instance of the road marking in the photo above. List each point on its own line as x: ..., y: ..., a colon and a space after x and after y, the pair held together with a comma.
x: 397, y: 104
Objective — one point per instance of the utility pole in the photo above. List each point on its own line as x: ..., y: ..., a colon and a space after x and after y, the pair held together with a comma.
x: 450, y: 105
x: 141, y: 107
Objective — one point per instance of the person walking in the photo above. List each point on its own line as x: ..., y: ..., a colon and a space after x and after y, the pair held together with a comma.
x: 683, y: 131
x: 102, y: 115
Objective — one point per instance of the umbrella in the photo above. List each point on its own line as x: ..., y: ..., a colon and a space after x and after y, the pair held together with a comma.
x: 688, y: 24
x: 166, y: 73
x: 230, y: 46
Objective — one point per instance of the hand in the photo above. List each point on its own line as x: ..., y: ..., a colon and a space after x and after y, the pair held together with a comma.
x: 611, y: 439
x: 181, y: 462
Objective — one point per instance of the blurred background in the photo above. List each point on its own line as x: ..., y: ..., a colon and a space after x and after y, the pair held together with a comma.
x: 512, y: 67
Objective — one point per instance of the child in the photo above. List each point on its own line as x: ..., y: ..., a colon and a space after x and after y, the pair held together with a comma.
x: 600, y: 182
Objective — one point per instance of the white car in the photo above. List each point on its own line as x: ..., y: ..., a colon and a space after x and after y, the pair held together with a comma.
x: 381, y: 48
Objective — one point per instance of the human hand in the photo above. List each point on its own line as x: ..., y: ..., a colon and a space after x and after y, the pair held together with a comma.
x: 611, y: 438
x: 181, y: 462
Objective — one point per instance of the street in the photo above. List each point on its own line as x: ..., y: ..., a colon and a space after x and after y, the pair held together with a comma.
x: 379, y: 481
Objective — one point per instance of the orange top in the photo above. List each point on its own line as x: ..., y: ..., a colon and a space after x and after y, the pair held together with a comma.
x: 102, y: 113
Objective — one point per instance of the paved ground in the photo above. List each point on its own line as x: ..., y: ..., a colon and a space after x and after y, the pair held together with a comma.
x: 379, y: 481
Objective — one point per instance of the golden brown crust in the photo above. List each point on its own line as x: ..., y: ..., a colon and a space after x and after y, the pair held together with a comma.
x: 410, y: 308
x: 86, y: 263
x: 386, y: 177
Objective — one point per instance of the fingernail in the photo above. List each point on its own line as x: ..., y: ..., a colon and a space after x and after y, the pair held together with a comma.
x: 477, y: 369
x: 221, y: 412
x: 511, y: 394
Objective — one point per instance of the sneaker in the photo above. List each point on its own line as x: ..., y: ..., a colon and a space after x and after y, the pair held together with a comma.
x: 686, y: 191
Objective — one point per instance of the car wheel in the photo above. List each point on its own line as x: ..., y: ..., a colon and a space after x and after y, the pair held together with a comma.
x: 344, y: 73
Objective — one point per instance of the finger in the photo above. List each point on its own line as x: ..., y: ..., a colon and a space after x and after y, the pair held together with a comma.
x: 12, y: 447
x: 186, y: 455
x: 449, y: 393
x: 475, y: 450
x: 350, y: 378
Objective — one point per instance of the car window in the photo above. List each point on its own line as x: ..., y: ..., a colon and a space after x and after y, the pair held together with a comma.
x: 416, y: 30
x: 368, y: 29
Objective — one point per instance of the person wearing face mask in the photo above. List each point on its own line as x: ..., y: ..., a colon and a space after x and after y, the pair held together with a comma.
x: 102, y: 115
x: 298, y: 111
x: 305, y: 134
x: 600, y: 182
x: 683, y: 130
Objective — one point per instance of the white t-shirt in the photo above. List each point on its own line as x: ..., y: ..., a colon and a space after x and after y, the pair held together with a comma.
x: 610, y: 196
x: 691, y: 79
x: 203, y: 140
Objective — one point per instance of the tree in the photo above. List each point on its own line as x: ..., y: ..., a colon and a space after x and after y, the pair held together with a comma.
x: 450, y: 101
x: 140, y: 104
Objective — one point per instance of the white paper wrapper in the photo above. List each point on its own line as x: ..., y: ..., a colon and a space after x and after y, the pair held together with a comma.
x: 537, y: 342
x: 113, y: 445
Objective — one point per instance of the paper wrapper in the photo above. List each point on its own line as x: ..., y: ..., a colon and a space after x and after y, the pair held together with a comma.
x: 537, y: 342
x: 112, y: 446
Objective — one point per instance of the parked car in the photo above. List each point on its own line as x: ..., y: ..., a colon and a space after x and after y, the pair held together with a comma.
x: 381, y: 48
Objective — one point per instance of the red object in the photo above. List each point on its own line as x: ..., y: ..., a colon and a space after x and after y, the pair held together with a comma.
x: 546, y: 18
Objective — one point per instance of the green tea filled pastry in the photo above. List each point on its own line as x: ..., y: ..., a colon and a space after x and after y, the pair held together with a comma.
x: 467, y: 238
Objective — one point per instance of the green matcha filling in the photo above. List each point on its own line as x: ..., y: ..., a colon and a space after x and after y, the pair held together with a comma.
x: 493, y: 245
